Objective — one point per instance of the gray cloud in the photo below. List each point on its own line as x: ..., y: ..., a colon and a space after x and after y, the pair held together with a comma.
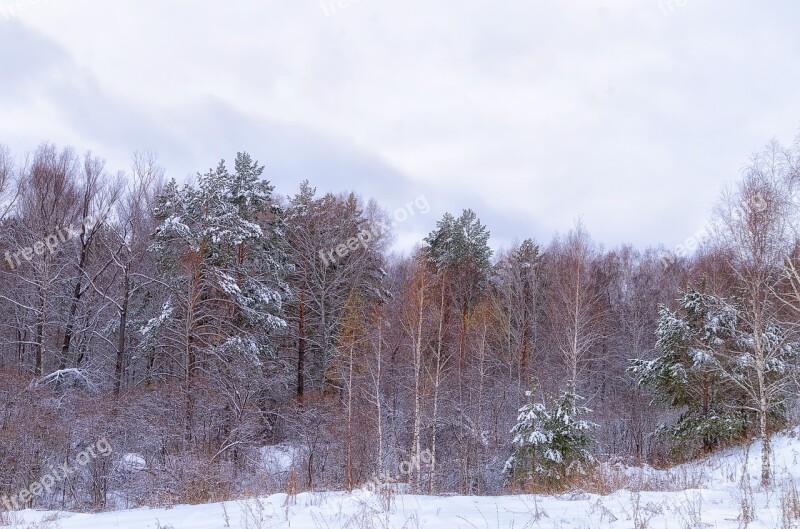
x: 531, y: 113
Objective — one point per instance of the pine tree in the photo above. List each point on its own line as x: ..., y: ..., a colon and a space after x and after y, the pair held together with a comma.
x: 458, y: 252
x: 459, y: 242
x: 231, y: 229
x: 707, y: 366
x: 685, y: 374
x: 221, y: 258
x: 551, y: 445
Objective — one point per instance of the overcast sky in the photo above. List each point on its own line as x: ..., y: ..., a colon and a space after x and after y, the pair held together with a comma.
x: 628, y: 114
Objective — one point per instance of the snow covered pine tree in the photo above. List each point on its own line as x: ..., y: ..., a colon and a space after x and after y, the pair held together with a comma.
x: 223, y: 267
x: 550, y: 445
x: 731, y: 377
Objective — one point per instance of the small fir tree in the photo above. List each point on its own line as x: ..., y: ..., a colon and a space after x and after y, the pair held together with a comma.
x: 551, y: 445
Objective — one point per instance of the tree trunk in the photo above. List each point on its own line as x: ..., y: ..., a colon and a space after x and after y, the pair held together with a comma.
x: 189, y: 335
x: 301, y: 348
x: 766, y: 451
x: 73, y: 309
x: 417, y: 396
x: 479, y: 455
x: 378, y: 406
x: 436, y: 383
x: 123, y: 323
x: 349, y: 458
x: 766, y: 446
x: 38, y: 353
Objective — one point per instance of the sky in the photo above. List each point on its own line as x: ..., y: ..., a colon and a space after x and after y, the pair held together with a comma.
x: 628, y: 115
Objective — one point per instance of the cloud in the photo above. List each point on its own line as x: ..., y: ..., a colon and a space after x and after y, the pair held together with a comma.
x: 531, y: 113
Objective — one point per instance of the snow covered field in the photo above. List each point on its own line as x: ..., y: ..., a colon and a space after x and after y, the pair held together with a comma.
x: 709, y: 493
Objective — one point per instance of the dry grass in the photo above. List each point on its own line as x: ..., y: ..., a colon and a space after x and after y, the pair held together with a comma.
x: 790, y: 506
x: 13, y: 520
x: 609, y: 478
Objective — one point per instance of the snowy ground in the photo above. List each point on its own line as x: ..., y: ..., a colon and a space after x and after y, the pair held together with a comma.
x: 708, y: 493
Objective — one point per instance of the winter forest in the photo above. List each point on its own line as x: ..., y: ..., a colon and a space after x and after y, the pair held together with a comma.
x: 200, y: 328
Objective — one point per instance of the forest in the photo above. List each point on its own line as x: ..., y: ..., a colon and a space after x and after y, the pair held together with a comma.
x: 192, y: 329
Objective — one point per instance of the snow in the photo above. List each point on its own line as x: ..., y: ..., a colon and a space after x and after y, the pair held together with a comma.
x: 133, y: 463
x: 700, y: 358
x: 332, y: 510
x: 706, y: 493
x: 279, y: 458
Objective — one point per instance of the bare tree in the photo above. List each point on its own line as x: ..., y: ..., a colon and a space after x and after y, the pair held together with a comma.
x: 755, y: 221
x: 336, y: 245
x: 9, y: 182
x: 574, y: 302
x: 97, y: 197
x: 414, y: 324
x: 47, y: 210
x: 126, y: 248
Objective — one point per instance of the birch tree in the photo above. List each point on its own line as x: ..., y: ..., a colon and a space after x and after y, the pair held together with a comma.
x: 574, y: 304
x: 755, y: 219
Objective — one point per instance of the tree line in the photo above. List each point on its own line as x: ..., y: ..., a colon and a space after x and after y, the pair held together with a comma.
x: 196, y: 328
